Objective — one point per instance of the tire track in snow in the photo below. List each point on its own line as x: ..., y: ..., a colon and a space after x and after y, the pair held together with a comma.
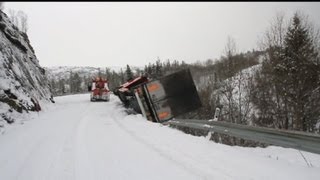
x: 29, y: 157
x: 48, y: 150
x: 63, y: 166
x: 39, y: 156
x: 83, y: 166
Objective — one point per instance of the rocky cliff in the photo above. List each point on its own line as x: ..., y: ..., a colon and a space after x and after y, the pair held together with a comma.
x: 23, y: 82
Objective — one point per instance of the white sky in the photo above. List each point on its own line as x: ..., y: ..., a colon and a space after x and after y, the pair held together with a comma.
x: 136, y: 33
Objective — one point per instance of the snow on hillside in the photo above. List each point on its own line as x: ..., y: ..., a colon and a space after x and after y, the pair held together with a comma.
x: 236, y: 91
x: 233, y: 91
x: 78, y: 139
x: 21, y: 76
x: 63, y: 72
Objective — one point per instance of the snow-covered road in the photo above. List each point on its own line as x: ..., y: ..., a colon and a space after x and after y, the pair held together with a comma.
x: 78, y: 139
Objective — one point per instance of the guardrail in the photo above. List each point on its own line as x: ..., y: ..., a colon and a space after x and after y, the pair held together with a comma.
x: 285, y: 138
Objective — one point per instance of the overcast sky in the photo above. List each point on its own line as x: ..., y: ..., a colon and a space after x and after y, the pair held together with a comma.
x: 120, y: 33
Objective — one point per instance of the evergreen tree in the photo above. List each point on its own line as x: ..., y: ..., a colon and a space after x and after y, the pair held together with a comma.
x: 300, y: 71
x: 61, y: 84
x: 158, y: 68
x: 108, y: 73
x: 145, y: 69
x: 76, y: 83
x: 71, y: 90
x: 153, y: 71
x: 286, y: 91
x: 149, y: 70
x: 129, y: 73
x: 121, y: 78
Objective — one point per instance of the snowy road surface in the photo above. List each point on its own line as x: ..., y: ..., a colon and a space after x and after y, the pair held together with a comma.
x: 78, y: 139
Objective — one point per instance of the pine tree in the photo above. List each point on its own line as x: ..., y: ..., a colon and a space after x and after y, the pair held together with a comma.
x: 108, y: 72
x: 76, y: 82
x: 71, y: 90
x: 61, y: 84
x: 129, y: 73
x: 149, y: 70
x: 158, y: 68
x: 121, y: 78
x: 153, y: 71
x: 300, y: 71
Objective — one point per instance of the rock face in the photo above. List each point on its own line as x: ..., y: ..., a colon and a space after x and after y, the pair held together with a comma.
x: 23, y: 82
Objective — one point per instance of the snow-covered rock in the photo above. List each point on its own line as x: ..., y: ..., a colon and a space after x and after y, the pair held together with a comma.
x: 22, y: 79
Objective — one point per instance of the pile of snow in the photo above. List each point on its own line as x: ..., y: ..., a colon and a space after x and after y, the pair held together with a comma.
x: 21, y: 76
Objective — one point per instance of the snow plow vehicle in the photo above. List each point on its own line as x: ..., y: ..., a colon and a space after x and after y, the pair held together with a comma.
x: 99, y: 90
x: 162, y: 99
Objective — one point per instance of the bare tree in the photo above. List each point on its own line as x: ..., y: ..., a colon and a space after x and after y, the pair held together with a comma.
x: 231, y: 47
x: 23, y: 21
x: 273, y: 108
x: 243, y: 83
x: 274, y: 36
x: 1, y: 6
x: 13, y: 17
x: 313, y: 32
x: 19, y: 19
x: 228, y: 87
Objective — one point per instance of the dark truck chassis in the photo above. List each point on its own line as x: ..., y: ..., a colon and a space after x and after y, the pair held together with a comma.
x: 162, y: 99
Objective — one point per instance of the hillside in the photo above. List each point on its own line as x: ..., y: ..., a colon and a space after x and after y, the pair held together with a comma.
x: 23, y: 81
x: 74, y: 79
x: 63, y: 72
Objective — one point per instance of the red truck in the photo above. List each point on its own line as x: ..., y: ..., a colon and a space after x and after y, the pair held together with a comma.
x: 99, y: 90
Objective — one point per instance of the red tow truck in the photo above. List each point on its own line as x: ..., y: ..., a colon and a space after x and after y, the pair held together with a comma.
x: 99, y: 89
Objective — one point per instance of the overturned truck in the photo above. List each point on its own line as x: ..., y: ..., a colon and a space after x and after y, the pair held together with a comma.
x: 162, y: 99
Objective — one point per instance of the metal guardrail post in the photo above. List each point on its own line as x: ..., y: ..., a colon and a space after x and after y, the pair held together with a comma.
x: 216, y: 115
x: 291, y: 139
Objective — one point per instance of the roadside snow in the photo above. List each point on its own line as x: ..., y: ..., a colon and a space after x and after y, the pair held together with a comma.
x: 78, y: 139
